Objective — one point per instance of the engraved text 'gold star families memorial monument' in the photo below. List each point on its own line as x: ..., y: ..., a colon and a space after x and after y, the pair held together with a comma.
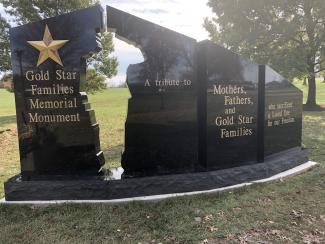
x: 48, y: 48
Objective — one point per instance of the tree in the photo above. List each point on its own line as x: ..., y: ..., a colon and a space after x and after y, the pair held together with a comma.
x: 104, y: 66
x: 94, y: 82
x: 25, y: 11
x: 287, y: 34
x: 4, y: 45
x: 102, y: 62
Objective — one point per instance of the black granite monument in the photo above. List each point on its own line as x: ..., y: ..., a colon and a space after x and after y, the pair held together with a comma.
x: 199, y: 117
x: 161, y: 134
x: 199, y: 107
x: 57, y: 129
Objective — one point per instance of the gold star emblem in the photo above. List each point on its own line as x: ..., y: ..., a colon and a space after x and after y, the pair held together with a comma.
x: 48, y: 48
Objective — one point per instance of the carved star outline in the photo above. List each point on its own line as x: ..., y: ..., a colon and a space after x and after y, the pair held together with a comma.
x: 48, y: 48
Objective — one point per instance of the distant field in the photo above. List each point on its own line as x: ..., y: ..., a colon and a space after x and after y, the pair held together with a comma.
x: 289, y: 211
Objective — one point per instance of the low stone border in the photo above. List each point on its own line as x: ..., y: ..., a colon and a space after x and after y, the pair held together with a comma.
x: 288, y: 173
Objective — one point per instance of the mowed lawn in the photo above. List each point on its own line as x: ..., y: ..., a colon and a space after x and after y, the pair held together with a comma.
x: 288, y: 211
x: 320, y: 90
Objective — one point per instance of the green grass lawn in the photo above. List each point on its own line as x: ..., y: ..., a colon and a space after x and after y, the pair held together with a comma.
x: 289, y: 211
x: 320, y: 90
x: 111, y: 109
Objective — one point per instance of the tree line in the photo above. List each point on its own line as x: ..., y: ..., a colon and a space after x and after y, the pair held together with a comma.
x: 289, y: 35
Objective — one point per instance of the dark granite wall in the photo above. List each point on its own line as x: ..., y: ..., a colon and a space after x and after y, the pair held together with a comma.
x: 50, y: 144
x: 218, y: 121
x: 161, y: 126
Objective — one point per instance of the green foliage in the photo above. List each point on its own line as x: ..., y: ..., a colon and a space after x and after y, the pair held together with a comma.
x: 289, y: 35
x: 102, y: 62
x: 4, y: 45
x: 94, y: 82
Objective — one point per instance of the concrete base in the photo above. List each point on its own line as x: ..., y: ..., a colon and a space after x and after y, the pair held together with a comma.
x: 288, y: 173
x: 63, y: 188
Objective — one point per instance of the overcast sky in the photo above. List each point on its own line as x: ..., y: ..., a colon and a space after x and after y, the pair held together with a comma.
x: 184, y: 16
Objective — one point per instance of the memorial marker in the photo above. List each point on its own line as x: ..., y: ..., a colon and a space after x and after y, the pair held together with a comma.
x: 199, y: 116
x: 58, y: 133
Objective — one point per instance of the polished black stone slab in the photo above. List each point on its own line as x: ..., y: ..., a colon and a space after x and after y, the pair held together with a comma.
x: 57, y: 128
x: 217, y: 122
x: 283, y: 113
x: 95, y: 189
x: 200, y: 116
x: 229, y: 105
x: 161, y: 128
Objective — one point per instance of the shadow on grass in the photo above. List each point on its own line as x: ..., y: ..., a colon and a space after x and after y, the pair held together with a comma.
x: 6, y: 120
x: 314, y: 108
